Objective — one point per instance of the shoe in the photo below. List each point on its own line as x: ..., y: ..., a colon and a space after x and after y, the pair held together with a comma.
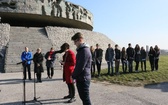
x: 40, y: 81
x: 72, y: 100
x: 30, y: 79
x: 51, y: 77
x: 66, y: 97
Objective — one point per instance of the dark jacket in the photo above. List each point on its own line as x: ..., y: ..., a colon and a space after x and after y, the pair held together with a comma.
x: 143, y: 55
x: 83, y: 64
x: 151, y: 54
x: 130, y: 53
x: 99, y: 54
x: 38, y: 59
x: 123, y: 56
x: 117, y: 54
x: 109, y: 56
x: 137, y: 55
x: 50, y: 63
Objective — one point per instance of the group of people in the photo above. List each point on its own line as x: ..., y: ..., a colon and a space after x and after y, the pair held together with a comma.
x: 126, y: 56
x: 76, y: 68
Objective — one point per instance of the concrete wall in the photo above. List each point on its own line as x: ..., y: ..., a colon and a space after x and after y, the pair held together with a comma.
x: 60, y: 35
x: 4, y: 39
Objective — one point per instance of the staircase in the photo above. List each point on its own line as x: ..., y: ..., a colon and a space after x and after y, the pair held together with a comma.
x: 20, y: 37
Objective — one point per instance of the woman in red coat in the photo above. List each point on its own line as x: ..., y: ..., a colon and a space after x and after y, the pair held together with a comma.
x: 68, y: 63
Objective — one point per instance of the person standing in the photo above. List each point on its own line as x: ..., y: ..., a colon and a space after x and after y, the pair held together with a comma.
x: 109, y: 57
x: 130, y: 57
x: 69, y: 61
x: 26, y: 58
x: 117, y: 59
x: 50, y: 59
x: 151, y: 55
x: 137, y: 57
x: 143, y: 59
x: 82, y: 73
x: 38, y: 64
x: 157, y: 54
x: 93, y: 61
x: 124, y: 60
x: 98, y: 57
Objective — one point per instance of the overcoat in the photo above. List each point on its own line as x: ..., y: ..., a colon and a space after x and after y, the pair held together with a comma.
x: 69, y: 60
x: 38, y: 59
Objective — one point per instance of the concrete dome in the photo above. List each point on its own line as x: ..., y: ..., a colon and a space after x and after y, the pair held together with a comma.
x: 41, y: 13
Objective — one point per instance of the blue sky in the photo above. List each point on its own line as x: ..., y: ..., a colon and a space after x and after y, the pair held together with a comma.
x: 143, y: 22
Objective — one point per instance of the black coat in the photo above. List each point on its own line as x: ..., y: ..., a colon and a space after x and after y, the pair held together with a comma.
x: 50, y: 63
x: 130, y: 53
x: 99, y: 54
x: 38, y: 59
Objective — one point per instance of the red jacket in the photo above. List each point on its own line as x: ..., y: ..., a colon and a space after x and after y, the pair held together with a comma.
x: 69, y: 60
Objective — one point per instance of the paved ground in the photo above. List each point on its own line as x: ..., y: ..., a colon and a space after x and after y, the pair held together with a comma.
x: 51, y: 92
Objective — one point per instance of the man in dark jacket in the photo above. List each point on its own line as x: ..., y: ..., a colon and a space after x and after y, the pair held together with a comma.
x: 50, y: 60
x: 109, y: 57
x: 130, y: 57
x: 82, y: 69
x: 117, y: 59
x: 98, y: 55
x: 50, y: 57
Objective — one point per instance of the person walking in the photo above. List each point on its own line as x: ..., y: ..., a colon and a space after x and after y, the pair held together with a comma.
x: 82, y: 73
x: 143, y: 59
x: 93, y: 61
x: 109, y: 57
x: 38, y: 64
x: 98, y: 57
x: 69, y: 61
x: 157, y: 54
x: 130, y: 57
x: 26, y: 58
x: 151, y: 55
x: 124, y: 60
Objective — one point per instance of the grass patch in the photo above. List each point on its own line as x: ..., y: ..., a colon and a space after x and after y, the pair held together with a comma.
x: 140, y: 78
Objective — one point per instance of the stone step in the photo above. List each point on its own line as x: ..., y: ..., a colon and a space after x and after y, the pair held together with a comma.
x: 21, y: 37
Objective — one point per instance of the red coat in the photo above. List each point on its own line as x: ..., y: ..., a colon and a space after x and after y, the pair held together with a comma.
x: 69, y: 60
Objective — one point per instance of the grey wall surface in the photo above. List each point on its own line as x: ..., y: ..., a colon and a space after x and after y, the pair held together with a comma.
x: 60, y: 35
x: 4, y: 39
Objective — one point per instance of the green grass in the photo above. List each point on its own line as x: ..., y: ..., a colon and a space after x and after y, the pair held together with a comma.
x: 140, y: 78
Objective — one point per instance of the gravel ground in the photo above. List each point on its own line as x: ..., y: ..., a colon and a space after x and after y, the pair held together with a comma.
x: 51, y: 92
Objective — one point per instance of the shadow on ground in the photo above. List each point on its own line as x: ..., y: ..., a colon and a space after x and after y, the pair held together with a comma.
x: 18, y: 81
x: 38, y: 102
x: 162, y: 86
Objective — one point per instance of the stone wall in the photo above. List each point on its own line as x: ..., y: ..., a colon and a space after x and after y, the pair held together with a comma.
x: 4, y: 39
x: 60, y: 35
